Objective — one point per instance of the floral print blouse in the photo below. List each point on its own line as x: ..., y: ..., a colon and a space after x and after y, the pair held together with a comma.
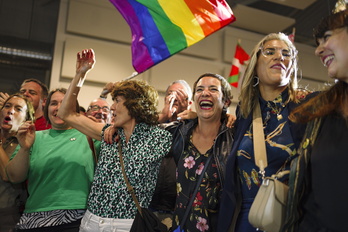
x: 142, y: 156
x: 205, y: 205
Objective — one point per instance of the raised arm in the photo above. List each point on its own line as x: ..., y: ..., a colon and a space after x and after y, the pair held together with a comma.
x: 3, y: 97
x: 17, y: 168
x: 84, y: 63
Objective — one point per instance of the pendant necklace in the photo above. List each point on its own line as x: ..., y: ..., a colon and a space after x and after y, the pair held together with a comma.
x: 275, y: 109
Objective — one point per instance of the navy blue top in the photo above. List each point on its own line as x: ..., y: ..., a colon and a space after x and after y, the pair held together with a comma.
x: 279, y: 145
x: 234, y: 191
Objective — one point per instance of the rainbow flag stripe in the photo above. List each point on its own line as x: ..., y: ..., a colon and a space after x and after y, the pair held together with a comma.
x: 161, y: 28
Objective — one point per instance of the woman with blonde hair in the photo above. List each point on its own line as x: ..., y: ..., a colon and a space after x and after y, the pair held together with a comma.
x: 270, y: 82
x: 251, y: 80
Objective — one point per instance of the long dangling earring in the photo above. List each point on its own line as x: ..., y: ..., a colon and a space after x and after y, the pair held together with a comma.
x: 257, y: 80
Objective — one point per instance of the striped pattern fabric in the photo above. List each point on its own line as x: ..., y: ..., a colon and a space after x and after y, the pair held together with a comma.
x: 161, y: 28
x: 49, y: 218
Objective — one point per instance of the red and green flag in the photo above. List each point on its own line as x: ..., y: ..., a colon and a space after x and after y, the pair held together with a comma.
x: 239, y: 62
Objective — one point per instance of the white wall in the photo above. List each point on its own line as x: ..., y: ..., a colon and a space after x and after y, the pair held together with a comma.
x: 98, y: 25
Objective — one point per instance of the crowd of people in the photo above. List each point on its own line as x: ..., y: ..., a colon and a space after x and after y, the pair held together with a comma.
x: 61, y: 169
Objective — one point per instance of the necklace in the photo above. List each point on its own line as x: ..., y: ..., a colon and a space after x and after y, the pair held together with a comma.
x: 8, y: 142
x: 276, y: 107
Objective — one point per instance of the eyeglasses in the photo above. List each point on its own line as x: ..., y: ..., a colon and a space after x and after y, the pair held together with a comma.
x: 97, y: 108
x: 269, y: 52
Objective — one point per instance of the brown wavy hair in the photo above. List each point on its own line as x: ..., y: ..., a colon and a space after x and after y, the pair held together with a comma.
x: 329, y: 23
x: 141, y: 100
x: 332, y: 100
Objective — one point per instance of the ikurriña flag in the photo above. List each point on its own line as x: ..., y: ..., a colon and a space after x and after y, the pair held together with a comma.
x: 161, y: 28
x: 239, y: 63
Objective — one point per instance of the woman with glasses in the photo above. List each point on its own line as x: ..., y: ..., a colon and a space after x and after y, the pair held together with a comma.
x: 270, y: 80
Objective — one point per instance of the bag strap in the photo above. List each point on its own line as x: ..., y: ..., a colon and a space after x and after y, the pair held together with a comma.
x: 129, y: 186
x: 259, y: 140
x: 260, y: 153
x: 189, y: 205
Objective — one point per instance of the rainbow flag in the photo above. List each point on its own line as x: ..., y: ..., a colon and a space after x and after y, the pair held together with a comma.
x: 239, y: 62
x: 161, y: 28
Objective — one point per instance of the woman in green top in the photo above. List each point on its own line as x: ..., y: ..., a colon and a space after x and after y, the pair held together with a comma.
x: 59, y: 166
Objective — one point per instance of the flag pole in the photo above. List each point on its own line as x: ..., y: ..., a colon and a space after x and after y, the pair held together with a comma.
x: 293, y: 30
x: 134, y: 74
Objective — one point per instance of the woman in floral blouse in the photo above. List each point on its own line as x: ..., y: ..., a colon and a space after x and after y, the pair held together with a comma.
x: 110, y: 206
x: 193, y: 142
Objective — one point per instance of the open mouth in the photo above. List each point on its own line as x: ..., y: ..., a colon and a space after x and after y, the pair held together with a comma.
x: 205, y: 104
x: 55, y: 115
x: 98, y: 116
x: 7, y: 119
x: 328, y: 59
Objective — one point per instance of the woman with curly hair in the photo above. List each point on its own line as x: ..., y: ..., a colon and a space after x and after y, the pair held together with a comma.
x: 142, y: 144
